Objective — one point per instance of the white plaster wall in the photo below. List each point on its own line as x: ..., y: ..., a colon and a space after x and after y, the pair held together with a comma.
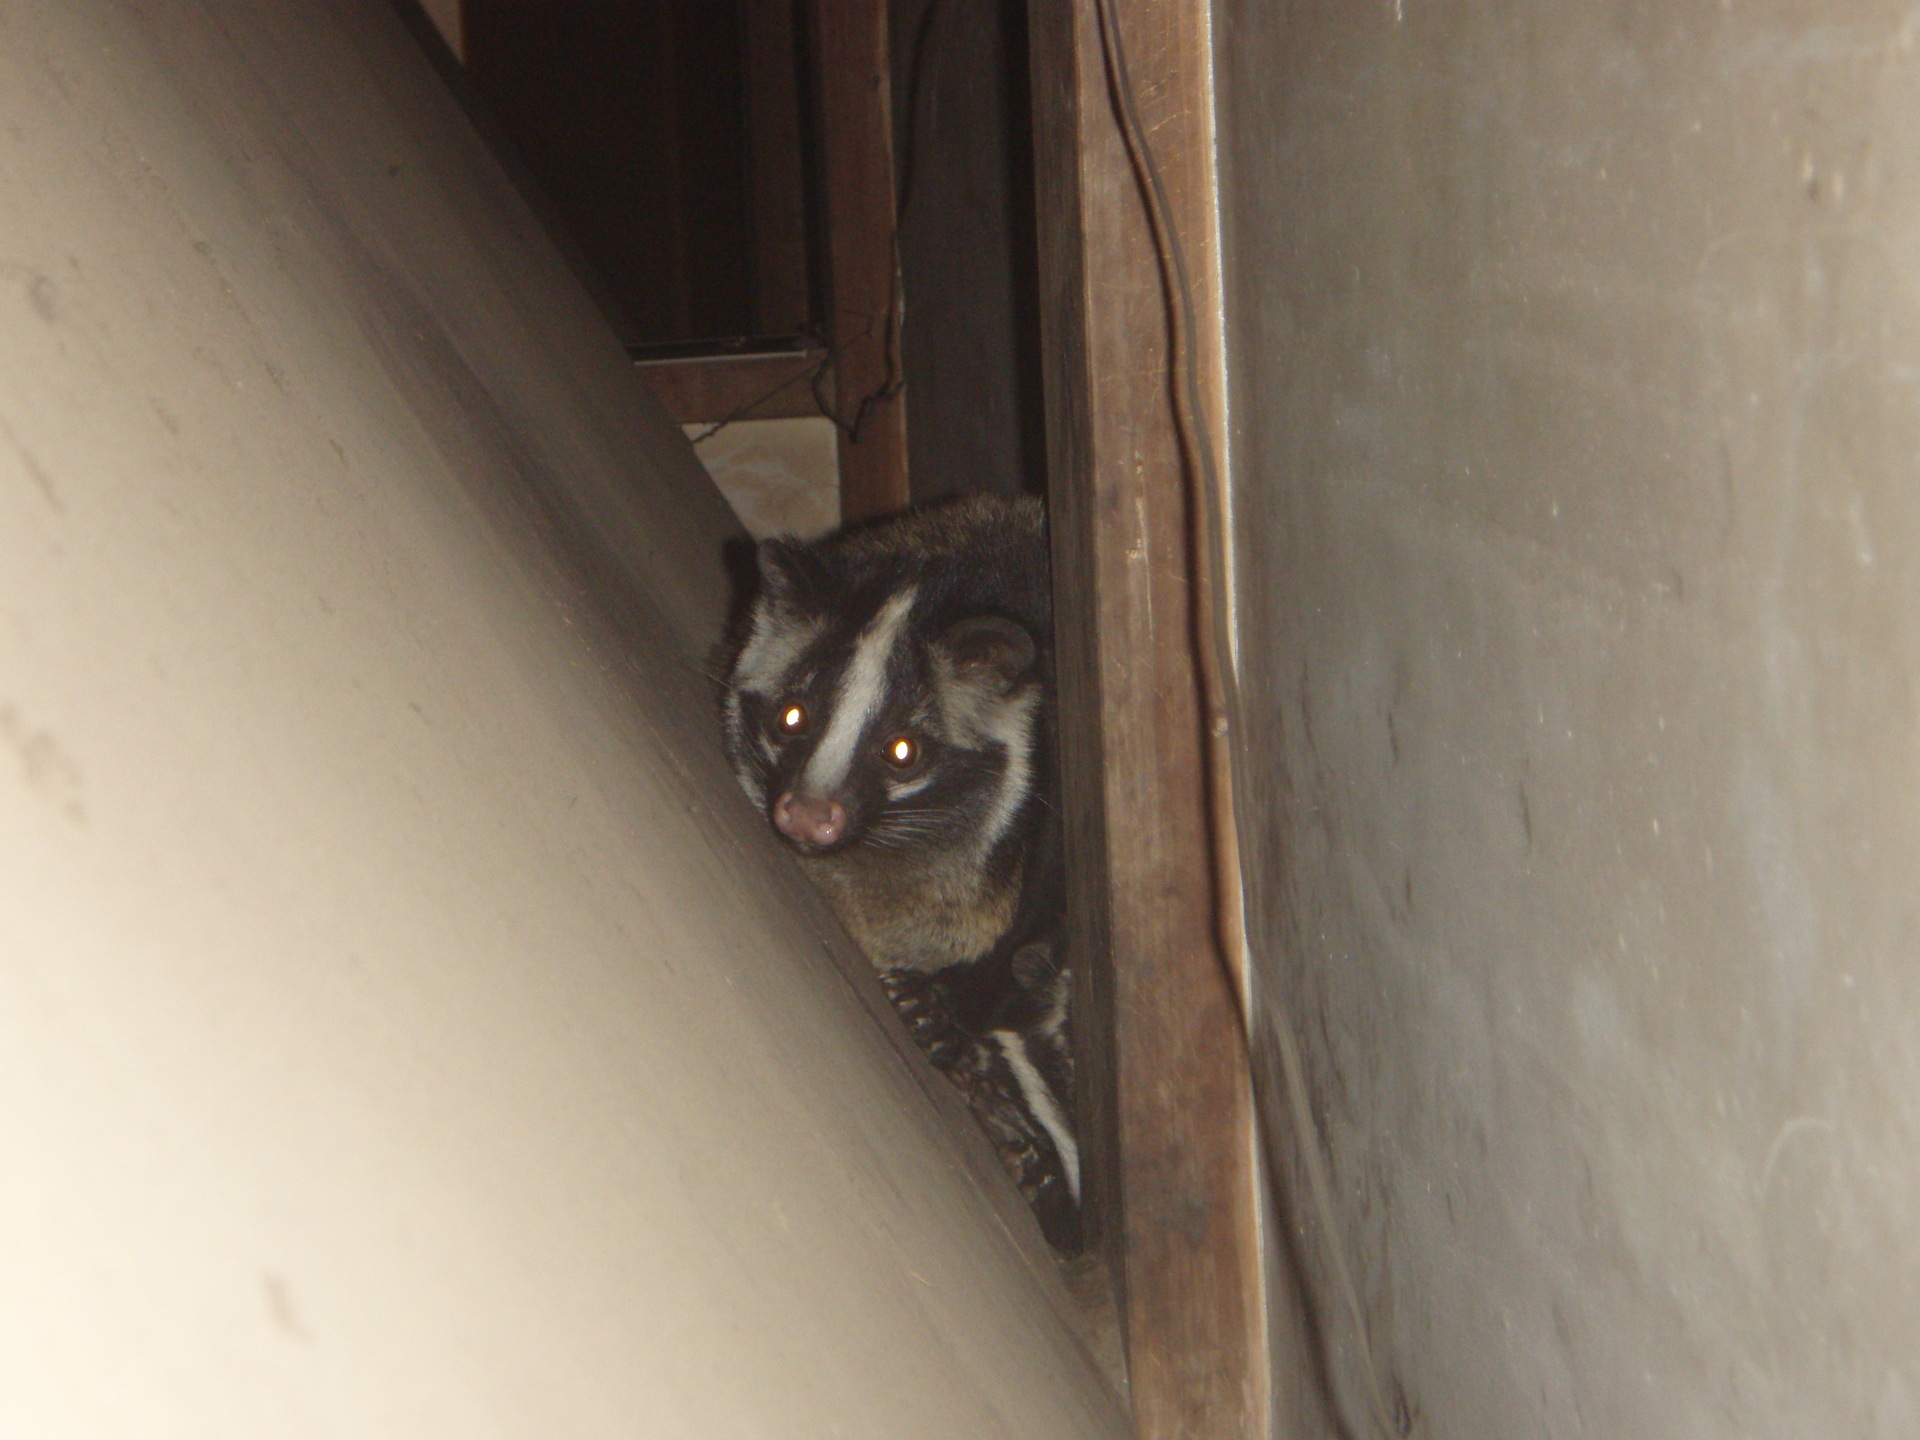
x: 404, y: 1028
x: 1573, y: 347
x: 782, y: 477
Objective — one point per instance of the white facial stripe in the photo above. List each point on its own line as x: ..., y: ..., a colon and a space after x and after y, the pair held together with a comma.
x: 910, y: 789
x: 777, y: 641
x: 1041, y: 1102
x: 862, y: 688
x: 1011, y: 725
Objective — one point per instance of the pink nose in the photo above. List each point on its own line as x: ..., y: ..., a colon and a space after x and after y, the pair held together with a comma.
x: 814, y: 822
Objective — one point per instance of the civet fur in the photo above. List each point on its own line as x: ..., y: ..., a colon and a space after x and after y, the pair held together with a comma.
x: 888, y: 706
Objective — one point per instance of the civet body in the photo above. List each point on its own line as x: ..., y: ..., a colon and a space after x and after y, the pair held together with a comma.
x: 888, y: 705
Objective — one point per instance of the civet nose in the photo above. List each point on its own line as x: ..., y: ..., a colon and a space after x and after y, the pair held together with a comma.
x: 810, y: 820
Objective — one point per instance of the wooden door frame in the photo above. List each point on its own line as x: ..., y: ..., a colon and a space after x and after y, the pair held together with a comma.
x: 1174, y: 1178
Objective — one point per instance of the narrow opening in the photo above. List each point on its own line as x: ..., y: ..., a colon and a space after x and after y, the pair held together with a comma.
x: 790, y: 297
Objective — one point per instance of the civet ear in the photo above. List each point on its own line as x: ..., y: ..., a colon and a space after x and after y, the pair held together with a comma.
x: 988, y: 647
x: 792, y: 572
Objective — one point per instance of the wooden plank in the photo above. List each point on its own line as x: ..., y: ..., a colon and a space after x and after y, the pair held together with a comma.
x: 1055, y: 105
x: 1188, y: 1223
x: 710, y: 388
x: 856, y: 131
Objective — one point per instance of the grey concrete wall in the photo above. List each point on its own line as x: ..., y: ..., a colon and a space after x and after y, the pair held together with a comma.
x: 1576, y: 445
x: 405, y: 1028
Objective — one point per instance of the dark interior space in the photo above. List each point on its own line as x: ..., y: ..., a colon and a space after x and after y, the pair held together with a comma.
x: 666, y: 136
x: 679, y: 146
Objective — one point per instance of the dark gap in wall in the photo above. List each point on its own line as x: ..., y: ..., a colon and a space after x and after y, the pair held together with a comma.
x: 668, y: 138
x: 674, y: 148
x: 631, y: 115
x: 610, y: 116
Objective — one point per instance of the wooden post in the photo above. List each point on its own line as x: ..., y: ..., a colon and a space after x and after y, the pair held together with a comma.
x: 1176, y: 1122
x: 856, y: 130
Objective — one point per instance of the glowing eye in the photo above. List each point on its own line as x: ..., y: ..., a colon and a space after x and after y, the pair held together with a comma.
x: 793, y: 719
x: 902, y: 751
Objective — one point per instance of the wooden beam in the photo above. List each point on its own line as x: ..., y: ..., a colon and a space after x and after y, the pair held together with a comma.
x: 710, y: 388
x: 1178, y: 1115
x: 856, y: 132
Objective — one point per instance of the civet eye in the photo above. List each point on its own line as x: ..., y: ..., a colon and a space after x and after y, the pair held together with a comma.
x: 793, y: 719
x: 902, y: 751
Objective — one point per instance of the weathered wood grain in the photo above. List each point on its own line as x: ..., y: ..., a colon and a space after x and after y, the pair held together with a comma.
x: 1169, y: 1104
